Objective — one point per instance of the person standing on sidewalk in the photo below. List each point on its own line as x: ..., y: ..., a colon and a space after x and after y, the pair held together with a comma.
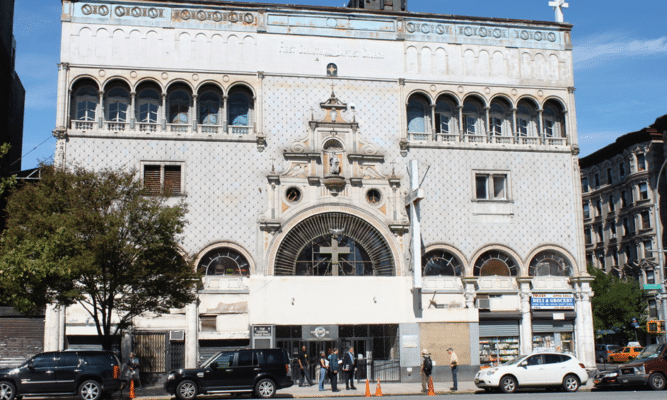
x: 454, y: 364
x: 333, y: 370
x: 427, y: 368
x: 349, y: 365
x: 303, y: 365
x: 323, y: 370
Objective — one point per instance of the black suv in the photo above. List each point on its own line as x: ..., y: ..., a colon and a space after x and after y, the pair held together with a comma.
x: 262, y: 371
x: 90, y: 374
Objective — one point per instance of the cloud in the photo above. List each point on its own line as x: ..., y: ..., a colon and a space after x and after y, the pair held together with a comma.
x: 612, y: 46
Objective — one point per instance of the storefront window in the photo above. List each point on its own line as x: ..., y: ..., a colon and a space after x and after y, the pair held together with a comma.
x: 495, y: 351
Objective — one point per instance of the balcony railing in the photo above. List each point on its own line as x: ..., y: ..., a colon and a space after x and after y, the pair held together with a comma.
x: 179, y: 128
x: 501, y: 139
x: 475, y: 138
x: 147, y: 127
x: 239, y: 130
x: 83, y: 125
x: 209, y: 129
x: 116, y: 126
x: 447, y: 138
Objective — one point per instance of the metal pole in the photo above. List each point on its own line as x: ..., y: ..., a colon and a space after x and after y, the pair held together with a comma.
x: 661, y: 256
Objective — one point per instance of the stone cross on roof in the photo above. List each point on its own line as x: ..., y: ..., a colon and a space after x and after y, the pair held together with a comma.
x: 558, y: 6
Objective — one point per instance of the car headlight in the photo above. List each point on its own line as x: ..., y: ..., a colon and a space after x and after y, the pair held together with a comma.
x: 613, y: 374
x: 491, y: 371
x: 171, y: 377
x: 640, y: 370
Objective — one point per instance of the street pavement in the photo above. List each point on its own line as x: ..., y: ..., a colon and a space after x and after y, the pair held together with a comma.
x: 388, y: 389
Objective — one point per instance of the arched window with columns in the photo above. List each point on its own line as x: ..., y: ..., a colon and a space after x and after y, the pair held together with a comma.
x: 84, y: 105
x: 418, y: 114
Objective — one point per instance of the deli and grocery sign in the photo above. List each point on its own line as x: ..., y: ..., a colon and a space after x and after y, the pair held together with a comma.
x: 552, y: 302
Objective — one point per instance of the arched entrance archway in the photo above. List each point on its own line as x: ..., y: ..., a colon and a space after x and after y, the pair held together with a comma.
x: 334, y: 244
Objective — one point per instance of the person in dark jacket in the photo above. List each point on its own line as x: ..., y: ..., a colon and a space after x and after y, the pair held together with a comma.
x: 349, y: 365
x: 333, y: 369
x: 303, y: 366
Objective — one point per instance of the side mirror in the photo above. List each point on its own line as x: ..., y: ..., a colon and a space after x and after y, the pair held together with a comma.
x: 523, y: 363
x: 30, y: 365
x: 214, y: 365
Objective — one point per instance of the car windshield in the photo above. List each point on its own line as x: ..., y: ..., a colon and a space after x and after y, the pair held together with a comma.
x: 651, y: 351
x: 515, y: 360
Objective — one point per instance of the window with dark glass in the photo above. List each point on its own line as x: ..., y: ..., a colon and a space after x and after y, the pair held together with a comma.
x: 641, y: 162
x: 621, y: 170
x: 163, y: 179
x: 587, y: 235
x: 179, y: 107
x: 224, y: 261
x: 646, y: 219
x: 584, y: 184
x: 587, y: 212
x: 597, y: 180
x: 610, y: 179
x: 600, y: 233
x: 441, y: 263
x: 612, y: 205
x: 643, y: 191
x: 612, y: 228
x: 491, y: 186
x: 624, y: 200
x: 648, y: 249
x: 598, y: 207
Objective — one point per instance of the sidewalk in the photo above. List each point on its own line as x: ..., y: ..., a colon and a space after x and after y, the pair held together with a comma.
x: 388, y: 389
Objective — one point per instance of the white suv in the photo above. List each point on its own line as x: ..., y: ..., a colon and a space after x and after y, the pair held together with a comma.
x: 546, y: 370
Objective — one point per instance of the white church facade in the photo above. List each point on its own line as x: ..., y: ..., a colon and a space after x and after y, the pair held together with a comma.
x: 364, y: 177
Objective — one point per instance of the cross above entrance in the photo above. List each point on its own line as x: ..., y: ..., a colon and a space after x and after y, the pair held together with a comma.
x: 558, y: 6
x: 335, y: 251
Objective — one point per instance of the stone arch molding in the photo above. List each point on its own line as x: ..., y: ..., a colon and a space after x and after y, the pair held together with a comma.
x: 393, y: 246
x: 523, y: 271
x: 467, y: 268
x: 226, y: 244
x: 560, y: 250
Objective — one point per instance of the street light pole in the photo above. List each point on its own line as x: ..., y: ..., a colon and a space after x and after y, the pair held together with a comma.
x: 662, y: 297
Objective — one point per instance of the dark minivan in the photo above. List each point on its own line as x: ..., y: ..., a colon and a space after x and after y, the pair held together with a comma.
x: 258, y: 371
x: 89, y: 374
x: 649, y: 368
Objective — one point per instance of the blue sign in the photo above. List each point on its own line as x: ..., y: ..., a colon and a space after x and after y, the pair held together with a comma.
x: 552, y: 302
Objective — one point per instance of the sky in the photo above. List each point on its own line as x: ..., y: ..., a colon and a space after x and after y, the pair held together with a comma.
x: 620, y: 61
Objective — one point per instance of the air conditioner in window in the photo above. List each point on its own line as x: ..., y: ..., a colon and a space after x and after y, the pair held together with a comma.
x: 177, y: 336
x: 483, y: 303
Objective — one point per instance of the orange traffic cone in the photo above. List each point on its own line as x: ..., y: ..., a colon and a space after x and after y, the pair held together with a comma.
x: 431, y: 391
x: 368, y: 389
x: 132, y: 394
x: 378, y: 389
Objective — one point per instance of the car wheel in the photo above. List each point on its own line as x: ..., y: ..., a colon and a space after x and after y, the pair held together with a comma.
x: 571, y: 383
x: 508, y: 384
x: 656, y: 381
x: 90, y: 390
x: 265, y: 388
x: 186, y: 390
x: 7, y: 391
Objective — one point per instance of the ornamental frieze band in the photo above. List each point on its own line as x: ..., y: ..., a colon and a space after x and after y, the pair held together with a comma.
x: 215, y: 16
x: 120, y: 11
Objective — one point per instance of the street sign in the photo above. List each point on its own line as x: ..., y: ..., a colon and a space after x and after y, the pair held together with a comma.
x: 652, y: 286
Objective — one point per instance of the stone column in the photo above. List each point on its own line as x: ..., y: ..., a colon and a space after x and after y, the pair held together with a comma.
x: 586, y: 334
x: 433, y: 127
x: 63, y: 96
x: 526, y: 335
x: 100, y: 107
x: 515, y: 128
x: 460, y: 108
x: 191, y: 335
x: 487, y: 123
x: 540, y: 126
x: 164, y: 111
x: 51, y: 327
x: 225, y: 115
x: 133, y: 105
x: 194, y: 114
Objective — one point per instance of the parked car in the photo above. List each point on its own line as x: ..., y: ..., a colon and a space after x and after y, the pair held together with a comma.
x: 262, y: 371
x: 88, y: 374
x: 649, y: 368
x: 602, y: 351
x: 626, y: 354
x: 546, y: 370
x: 606, y: 379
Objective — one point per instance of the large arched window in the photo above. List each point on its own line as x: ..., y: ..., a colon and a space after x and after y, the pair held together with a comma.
x: 224, y: 261
x: 209, y: 108
x: 334, y: 244
x: 553, y: 118
x: 495, y: 263
x: 117, y: 104
x: 445, y: 118
x: 473, y: 124
x: 441, y: 263
x: 500, y: 118
x: 418, y: 118
x: 85, y: 103
x: 179, y: 107
x: 550, y: 263
x: 148, y: 104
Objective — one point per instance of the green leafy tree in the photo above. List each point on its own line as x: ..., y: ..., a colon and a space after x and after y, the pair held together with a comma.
x: 616, y: 302
x: 8, y: 181
x: 97, y: 239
